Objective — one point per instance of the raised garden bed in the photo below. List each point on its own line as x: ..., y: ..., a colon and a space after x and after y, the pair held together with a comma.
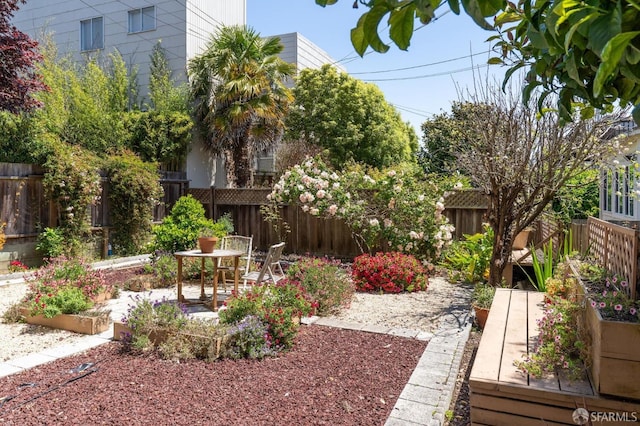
x: 93, y: 323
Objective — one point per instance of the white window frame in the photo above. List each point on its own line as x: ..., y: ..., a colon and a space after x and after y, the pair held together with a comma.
x: 138, y: 15
x: 94, y: 44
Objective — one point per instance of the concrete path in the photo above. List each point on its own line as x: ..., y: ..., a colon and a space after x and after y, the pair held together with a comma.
x: 424, y: 400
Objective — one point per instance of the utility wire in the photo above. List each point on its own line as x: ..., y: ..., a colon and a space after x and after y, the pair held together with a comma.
x: 421, y: 66
x: 417, y: 77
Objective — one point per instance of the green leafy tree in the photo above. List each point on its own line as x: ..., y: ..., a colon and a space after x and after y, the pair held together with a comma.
x: 582, y: 51
x: 350, y: 119
x: 579, y: 198
x: 164, y: 94
x: 440, y: 135
x: 241, y: 99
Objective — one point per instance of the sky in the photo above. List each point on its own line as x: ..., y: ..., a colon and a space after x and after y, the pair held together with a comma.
x: 441, y: 53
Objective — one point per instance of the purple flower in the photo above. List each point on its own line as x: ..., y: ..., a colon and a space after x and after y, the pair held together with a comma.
x: 618, y: 307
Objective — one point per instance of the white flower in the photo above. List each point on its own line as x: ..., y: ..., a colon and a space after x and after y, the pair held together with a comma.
x: 458, y: 185
x: 321, y: 193
x: 409, y: 246
x: 277, y: 187
x: 414, y: 235
x: 324, y: 175
x: 305, y: 208
x: 397, y: 188
x: 300, y: 187
x: 309, y: 196
x: 616, y: 162
x: 314, y: 211
x: 303, y: 197
x: 391, y: 173
x: 269, y: 196
x: 374, y: 222
x: 439, y: 206
x: 333, y: 209
x: 336, y: 185
x: 421, y: 198
x: 387, y: 223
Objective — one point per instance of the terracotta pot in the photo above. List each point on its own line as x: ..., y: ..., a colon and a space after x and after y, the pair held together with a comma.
x: 481, y: 316
x: 207, y: 244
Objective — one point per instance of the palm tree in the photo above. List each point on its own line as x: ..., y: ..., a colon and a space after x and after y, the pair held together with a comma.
x: 240, y: 97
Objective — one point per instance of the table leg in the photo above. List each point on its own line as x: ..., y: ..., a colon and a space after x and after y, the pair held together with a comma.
x: 236, y: 276
x: 180, y: 298
x: 202, y: 273
x: 214, y: 299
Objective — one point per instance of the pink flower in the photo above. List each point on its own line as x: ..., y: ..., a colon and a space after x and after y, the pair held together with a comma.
x: 632, y: 311
x: 603, y: 305
x: 618, y: 307
x: 593, y: 304
x: 624, y: 283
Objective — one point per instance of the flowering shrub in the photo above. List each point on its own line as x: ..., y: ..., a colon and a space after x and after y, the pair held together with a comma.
x: 164, y: 269
x: 17, y: 266
x: 392, y: 207
x: 559, y: 345
x: 248, y: 338
x: 324, y: 281
x: 389, y: 272
x: 64, y: 286
x: 610, y: 297
x: 276, y: 305
x: 145, y: 317
x: 3, y: 237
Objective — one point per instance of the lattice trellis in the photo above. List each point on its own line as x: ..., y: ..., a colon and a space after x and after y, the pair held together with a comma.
x: 466, y: 199
x: 201, y: 194
x: 240, y: 196
x: 615, y: 248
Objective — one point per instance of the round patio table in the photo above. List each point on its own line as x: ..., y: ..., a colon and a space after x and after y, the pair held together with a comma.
x: 215, y: 256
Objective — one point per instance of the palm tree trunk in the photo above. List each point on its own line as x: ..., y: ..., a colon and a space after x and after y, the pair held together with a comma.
x: 242, y: 166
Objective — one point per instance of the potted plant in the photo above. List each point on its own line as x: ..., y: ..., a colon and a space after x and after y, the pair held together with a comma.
x: 210, y: 233
x: 481, y: 301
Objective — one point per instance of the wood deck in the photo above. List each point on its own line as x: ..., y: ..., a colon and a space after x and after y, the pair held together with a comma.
x: 502, y: 395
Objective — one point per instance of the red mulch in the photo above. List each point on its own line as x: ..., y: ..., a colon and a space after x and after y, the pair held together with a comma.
x: 332, y: 377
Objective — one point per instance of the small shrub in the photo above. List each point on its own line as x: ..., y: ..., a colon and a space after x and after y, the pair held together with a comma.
x: 483, y: 295
x: 145, y: 317
x: 51, y: 243
x: 17, y: 266
x: 391, y: 272
x: 468, y: 260
x: 164, y: 268
x: 248, y: 338
x: 325, y: 282
x: 196, y: 339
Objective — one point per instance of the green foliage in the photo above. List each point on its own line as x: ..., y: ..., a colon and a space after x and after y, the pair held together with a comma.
x: 390, y: 272
x: 325, y: 283
x: 468, y: 259
x: 350, y: 119
x: 580, y: 51
x: 51, y: 242
x: 164, y: 268
x: 482, y: 295
x: 19, y: 138
x: 163, y: 94
x: 184, y: 224
x: 579, y: 198
x: 67, y: 300
x: 134, y: 191
x: 543, y: 268
x: 442, y: 135
x: 159, y: 136
x: 196, y: 339
x: 73, y: 182
x: 240, y: 97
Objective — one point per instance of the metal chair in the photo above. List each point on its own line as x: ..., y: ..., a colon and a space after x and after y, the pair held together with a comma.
x: 240, y: 243
x: 271, y: 269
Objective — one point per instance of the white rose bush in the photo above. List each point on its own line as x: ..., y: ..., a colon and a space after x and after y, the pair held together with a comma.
x: 388, y: 209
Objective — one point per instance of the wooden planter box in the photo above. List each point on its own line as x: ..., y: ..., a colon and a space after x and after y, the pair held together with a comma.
x: 615, y: 355
x: 79, y: 323
x: 615, y: 351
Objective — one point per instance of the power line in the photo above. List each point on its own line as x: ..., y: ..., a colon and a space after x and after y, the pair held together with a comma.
x: 415, y: 111
x: 421, y: 66
x: 417, y: 77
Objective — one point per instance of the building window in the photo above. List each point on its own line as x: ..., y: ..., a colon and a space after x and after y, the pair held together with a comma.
x: 92, y: 34
x: 142, y: 19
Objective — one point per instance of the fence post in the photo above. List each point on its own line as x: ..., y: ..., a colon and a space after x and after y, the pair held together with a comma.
x: 213, y: 209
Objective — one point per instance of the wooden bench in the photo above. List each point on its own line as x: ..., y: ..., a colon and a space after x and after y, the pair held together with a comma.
x: 500, y: 394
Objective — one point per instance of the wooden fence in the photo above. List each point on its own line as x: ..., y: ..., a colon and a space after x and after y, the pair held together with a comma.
x: 615, y: 248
